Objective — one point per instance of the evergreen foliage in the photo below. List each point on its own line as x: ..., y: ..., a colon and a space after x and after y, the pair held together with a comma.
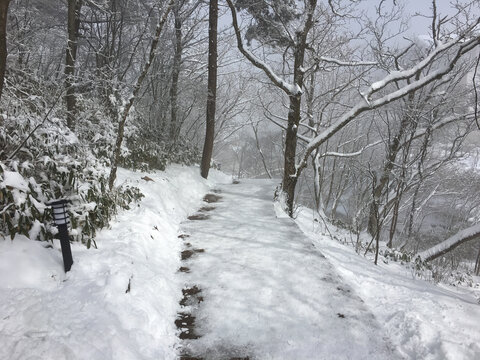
x: 54, y: 162
x: 269, y: 20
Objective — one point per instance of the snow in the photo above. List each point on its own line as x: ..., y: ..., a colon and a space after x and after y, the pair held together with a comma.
x: 268, y: 293
x: 87, y: 314
x: 423, y: 321
x: 14, y: 180
x: 27, y: 257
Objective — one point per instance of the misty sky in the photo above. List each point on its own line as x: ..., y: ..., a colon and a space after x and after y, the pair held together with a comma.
x: 419, y: 25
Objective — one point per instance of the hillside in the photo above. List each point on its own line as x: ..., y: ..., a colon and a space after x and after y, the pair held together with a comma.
x: 268, y: 291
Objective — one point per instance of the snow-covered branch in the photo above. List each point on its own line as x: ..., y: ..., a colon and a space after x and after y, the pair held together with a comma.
x: 314, y: 130
x: 346, y: 63
x: 363, y: 106
x: 451, y: 243
x: 284, y: 126
x: 352, y: 154
x: 396, y: 76
x: 441, y: 123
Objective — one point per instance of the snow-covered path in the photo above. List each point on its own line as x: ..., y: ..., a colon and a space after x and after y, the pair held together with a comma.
x: 268, y: 293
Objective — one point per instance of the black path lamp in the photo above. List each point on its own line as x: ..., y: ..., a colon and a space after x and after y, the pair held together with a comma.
x: 60, y: 216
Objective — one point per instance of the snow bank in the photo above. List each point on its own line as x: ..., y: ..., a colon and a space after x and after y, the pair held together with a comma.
x: 119, y: 301
x: 423, y: 321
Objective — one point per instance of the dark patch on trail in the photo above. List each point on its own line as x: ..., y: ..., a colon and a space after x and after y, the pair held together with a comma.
x: 235, y: 182
x: 187, y: 254
x: 207, y: 208
x: 192, y: 295
x: 188, y: 357
x: 186, y: 323
x: 339, y: 288
x: 198, y: 217
x: 211, y: 198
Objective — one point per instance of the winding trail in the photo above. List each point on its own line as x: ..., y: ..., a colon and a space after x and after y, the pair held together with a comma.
x: 256, y: 287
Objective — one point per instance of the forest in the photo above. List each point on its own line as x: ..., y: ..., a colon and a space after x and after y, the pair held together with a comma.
x: 364, y: 114
x: 369, y: 123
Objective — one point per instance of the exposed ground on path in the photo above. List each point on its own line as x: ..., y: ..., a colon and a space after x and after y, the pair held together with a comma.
x: 259, y: 288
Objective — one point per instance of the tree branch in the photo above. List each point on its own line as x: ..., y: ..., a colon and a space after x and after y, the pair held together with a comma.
x: 451, y: 243
x: 362, y: 106
x: 289, y: 89
x: 352, y: 154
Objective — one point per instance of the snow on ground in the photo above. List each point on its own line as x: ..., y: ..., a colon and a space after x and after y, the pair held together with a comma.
x: 88, y: 313
x: 423, y: 320
x: 268, y: 293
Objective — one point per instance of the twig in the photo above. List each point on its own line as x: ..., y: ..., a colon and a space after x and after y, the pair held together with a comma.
x: 6, y: 208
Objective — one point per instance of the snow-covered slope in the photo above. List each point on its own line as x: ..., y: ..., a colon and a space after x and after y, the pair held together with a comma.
x: 88, y: 313
x: 424, y: 321
x: 268, y: 293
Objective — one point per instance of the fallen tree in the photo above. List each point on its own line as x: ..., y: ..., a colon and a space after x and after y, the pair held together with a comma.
x: 461, y: 237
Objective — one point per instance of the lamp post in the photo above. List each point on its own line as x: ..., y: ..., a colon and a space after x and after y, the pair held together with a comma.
x: 60, y: 217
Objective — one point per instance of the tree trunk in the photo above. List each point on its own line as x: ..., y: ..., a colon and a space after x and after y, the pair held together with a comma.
x: 73, y: 24
x: 290, y: 175
x: 289, y: 181
x: 3, y: 41
x: 177, y: 59
x: 477, y: 263
x: 212, y: 88
x: 257, y: 142
x: 392, y: 152
x: 384, y: 179
x: 394, y: 222
x: 290, y: 178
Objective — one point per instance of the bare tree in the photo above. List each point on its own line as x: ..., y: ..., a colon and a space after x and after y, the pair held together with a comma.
x: 136, y: 89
